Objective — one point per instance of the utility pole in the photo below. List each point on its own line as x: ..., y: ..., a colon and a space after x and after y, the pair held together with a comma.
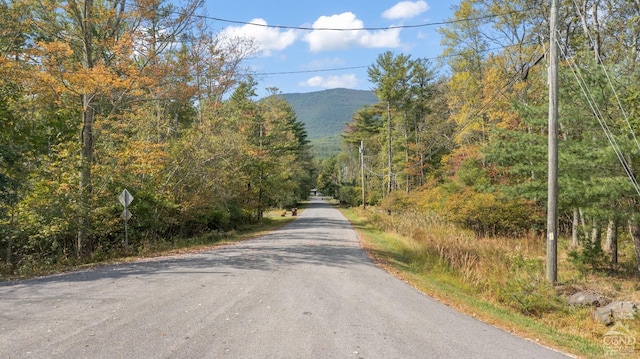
x: 364, y: 202
x: 389, y: 149
x: 552, y: 188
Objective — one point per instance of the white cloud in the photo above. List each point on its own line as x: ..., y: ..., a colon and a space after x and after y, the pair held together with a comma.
x: 342, y: 81
x: 267, y: 39
x: 406, y: 10
x: 323, y: 40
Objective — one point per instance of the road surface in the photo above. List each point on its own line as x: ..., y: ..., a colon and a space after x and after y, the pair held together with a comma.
x: 305, y: 291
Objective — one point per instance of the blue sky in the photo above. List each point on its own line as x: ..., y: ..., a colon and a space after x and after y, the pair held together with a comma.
x: 316, y: 54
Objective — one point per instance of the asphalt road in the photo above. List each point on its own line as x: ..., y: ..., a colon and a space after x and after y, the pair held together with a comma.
x: 305, y: 291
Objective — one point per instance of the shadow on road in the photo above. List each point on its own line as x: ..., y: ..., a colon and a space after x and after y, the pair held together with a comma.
x: 320, y: 237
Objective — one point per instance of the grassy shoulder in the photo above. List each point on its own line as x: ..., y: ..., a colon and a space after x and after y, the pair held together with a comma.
x: 499, y: 281
x: 272, y: 221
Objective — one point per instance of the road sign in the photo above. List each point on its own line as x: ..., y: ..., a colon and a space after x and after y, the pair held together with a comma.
x: 125, y: 198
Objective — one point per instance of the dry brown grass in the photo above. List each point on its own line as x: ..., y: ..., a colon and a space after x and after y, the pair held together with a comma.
x: 509, y: 272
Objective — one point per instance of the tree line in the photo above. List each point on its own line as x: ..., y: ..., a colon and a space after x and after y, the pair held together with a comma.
x: 101, y: 95
x: 471, y: 145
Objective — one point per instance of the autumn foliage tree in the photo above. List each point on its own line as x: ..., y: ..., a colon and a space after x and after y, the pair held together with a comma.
x: 99, y: 95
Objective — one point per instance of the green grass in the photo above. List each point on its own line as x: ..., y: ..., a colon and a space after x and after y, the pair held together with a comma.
x: 410, y: 262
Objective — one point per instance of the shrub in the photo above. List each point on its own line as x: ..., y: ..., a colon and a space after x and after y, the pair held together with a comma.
x: 591, y: 257
x: 530, y: 296
x: 397, y: 201
x: 489, y: 214
x: 526, y: 289
x: 350, y: 195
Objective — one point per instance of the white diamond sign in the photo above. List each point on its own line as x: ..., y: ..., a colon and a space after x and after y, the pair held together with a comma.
x: 125, y: 198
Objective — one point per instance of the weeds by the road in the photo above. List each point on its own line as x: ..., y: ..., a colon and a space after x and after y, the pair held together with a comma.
x: 499, y: 280
x: 273, y: 220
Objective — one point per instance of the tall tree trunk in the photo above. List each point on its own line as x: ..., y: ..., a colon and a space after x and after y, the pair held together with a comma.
x: 390, y: 150
x: 594, y: 34
x: 420, y: 149
x: 611, y: 244
x: 11, y: 231
x: 583, y: 231
x: 406, y: 153
x: 260, y: 179
x: 88, y: 117
x: 86, y: 188
x: 575, y: 228
x: 596, y: 235
x: 597, y: 42
x: 634, y: 231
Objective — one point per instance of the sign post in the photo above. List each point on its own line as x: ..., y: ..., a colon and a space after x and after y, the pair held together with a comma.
x: 125, y: 199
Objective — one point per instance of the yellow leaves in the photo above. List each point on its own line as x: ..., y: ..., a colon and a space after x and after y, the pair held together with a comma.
x: 482, y: 101
x: 495, y: 89
x: 148, y: 8
x: 98, y: 79
x: 460, y: 98
x: 62, y: 72
x: 142, y: 158
x: 9, y: 70
x: 56, y: 51
x: 465, y: 10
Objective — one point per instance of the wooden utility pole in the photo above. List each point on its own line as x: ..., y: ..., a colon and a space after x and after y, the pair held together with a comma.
x: 390, y: 185
x: 364, y: 202
x: 552, y: 200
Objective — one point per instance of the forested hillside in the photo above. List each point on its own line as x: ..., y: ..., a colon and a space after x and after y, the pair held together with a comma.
x: 472, y: 147
x: 325, y: 114
x: 102, y: 97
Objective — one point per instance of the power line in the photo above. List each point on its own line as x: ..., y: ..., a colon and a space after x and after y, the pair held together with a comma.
x: 610, y: 82
x: 440, y: 57
x: 306, y: 28
x: 310, y: 28
x: 471, y: 119
x: 595, y: 109
x: 311, y: 71
x: 392, y: 27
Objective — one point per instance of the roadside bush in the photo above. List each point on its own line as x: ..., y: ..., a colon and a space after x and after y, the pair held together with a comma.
x: 533, y: 298
x: 527, y: 290
x: 490, y: 214
x: 589, y: 258
x: 397, y: 201
x: 350, y: 195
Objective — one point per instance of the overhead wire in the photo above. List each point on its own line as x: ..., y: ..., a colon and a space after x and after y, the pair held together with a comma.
x: 392, y: 27
x: 604, y: 125
x: 494, y: 98
x: 610, y: 82
x: 379, y: 175
x: 440, y: 57
x: 306, y: 28
x: 600, y: 117
x: 311, y: 71
x: 472, y: 118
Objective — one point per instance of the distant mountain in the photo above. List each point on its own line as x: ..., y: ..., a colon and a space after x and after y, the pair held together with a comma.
x: 325, y: 114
